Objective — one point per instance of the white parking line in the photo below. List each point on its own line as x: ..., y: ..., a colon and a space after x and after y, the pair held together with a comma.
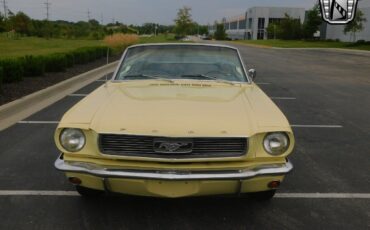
x: 77, y: 95
x: 38, y: 122
x: 324, y: 195
x: 278, y: 195
x: 318, y: 126
x: 36, y: 193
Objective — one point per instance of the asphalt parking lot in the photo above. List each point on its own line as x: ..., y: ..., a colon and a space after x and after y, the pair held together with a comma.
x: 326, y: 97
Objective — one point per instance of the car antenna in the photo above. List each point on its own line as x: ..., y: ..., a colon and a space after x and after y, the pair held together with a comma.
x: 106, y: 75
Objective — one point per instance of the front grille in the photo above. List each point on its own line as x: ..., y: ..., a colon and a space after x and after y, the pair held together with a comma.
x: 163, y: 147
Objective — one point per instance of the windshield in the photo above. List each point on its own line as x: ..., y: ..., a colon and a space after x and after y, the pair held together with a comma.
x: 181, y: 62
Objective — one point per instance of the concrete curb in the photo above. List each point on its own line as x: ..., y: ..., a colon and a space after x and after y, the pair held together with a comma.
x: 338, y: 50
x: 19, y: 109
x: 251, y: 45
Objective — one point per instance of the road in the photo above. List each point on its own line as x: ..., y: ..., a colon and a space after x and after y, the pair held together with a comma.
x: 326, y: 95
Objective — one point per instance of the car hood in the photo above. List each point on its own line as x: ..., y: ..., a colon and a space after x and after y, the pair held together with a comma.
x: 184, y: 108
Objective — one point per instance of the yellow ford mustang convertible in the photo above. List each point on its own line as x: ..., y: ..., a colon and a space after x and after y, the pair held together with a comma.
x: 176, y: 120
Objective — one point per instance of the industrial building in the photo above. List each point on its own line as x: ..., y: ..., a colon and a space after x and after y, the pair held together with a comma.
x: 252, y: 25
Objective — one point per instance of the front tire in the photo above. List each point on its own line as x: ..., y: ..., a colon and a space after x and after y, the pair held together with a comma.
x: 263, y: 196
x: 88, y: 192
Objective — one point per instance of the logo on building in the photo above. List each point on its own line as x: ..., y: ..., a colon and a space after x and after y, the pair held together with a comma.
x: 338, y: 11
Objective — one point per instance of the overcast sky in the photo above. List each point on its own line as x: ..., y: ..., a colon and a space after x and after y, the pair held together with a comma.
x: 140, y: 11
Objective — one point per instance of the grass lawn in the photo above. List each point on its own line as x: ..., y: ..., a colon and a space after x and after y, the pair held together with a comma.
x: 161, y: 38
x: 39, y: 46
x: 304, y: 44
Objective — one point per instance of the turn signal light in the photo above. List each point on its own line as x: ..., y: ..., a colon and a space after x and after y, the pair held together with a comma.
x: 75, y: 180
x: 274, y: 184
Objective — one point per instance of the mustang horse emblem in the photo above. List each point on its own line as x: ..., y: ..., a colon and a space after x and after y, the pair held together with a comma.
x: 168, y: 146
x: 338, y: 11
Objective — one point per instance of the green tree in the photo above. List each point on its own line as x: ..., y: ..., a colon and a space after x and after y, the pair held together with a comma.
x: 290, y: 28
x: 274, y: 31
x: 2, y: 23
x: 183, y: 21
x: 20, y: 22
x: 81, y: 29
x: 356, y: 25
x: 287, y: 29
x: 220, y: 33
x: 203, y: 30
x: 312, y: 23
x: 94, y: 23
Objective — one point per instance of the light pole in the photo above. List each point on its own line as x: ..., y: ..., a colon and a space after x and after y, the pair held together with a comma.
x: 155, y: 30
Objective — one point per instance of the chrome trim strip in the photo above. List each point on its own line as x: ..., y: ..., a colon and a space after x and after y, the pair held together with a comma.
x: 114, y: 76
x: 96, y: 170
x: 182, y: 44
x: 249, y: 79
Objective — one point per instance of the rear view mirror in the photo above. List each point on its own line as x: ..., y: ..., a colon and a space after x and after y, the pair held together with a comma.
x: 252, y: 74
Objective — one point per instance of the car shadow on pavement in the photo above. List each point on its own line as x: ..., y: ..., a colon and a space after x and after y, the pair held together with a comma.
x: 185, y: 213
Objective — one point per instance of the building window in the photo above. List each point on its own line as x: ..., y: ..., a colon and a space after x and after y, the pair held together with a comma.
x: 250, y: 23
x: 234, y: 25
x: 261, y: 28
x: 260, y: 34
x: 275, y: 20
x: 227, y: 26
x: 242, y: 24
x: 261, y: 23
x: 249, y: 35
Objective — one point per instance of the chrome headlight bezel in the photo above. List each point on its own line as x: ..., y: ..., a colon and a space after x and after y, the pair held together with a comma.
x: 67, y: 134
x: 278, y: 138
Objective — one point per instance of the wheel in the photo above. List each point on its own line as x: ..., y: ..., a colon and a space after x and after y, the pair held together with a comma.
x: 88, y: 192
x: 263, y: 196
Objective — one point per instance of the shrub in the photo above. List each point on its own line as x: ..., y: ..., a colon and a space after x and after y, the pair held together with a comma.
x: 56, y: 63
x: 1, y: 78
x: 121, y: 41
x: 101, y: 52
x: 220, y: 33
x: 87, y: 54
x: 179, y: 37
x: 80, y: 56
x: 92, y: 54
x: 12, y: 70
x: 70, y: 59
x: 361, y: 42
x: 33, y: 66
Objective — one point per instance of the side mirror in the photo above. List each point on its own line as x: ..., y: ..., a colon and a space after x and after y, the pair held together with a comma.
x: 252, y: 73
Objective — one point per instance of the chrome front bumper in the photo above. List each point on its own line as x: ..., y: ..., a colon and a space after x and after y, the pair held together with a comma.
x: 99, y: 171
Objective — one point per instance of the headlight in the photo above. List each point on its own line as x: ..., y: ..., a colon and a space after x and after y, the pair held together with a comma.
x: 276, y: 143
x: 72, y: 140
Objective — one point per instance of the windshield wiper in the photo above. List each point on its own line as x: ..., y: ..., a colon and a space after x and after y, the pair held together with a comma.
x: 148, y: 76
x: 208, y: 77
